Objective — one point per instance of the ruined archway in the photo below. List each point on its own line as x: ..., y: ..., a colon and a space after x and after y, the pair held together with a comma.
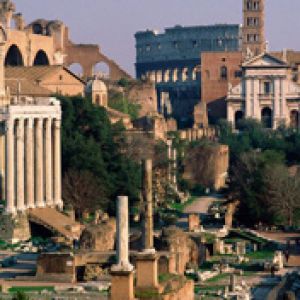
x: 14, y: 57
x: 37, y: 28
x: 41, y: 59
x: 102, y: 70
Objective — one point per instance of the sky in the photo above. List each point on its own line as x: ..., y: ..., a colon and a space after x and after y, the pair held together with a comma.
x: 113, y: 23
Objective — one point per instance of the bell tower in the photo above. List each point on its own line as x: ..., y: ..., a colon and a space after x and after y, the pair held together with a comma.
x: 254, y: 28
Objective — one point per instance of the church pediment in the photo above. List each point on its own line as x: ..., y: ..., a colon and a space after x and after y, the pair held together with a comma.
x: 265, y: 60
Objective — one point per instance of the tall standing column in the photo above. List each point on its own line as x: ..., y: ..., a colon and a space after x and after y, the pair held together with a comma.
x: 39, y: 164
x: 57, y: 164
x: 122, y: 235
x: 10, y: 168
x: 20, y: 166
x: 48, y: 163
x: 174, y: 179
x: 146, y: 261
x: 169, y: 144
x: 29, y: 164
x: 122, y: 284
x: 147, y: 198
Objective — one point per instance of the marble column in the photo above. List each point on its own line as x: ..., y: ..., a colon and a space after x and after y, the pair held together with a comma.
x: 10, y: 167
x: 20, y: 166
x: 123, y: 263
x: 29, y: 164
x: 169, y: 144
x: 57, y: 164
x: 174, y: 179
x: 48, y: 163
x: 148, y: 214
x: 39, y: 165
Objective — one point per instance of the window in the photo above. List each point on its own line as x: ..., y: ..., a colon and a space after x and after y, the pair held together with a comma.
x: 223, y: 72
x: 267, y: 87
x: 148, y: 47
x: 175, y: 44
x: 207, y: 73
x: 60, y: 77
x: 238, y: 74
x: 159, y: 46
x: 195, y: 44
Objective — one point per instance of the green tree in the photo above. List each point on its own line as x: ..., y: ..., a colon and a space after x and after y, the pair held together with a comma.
x: 90, y: 146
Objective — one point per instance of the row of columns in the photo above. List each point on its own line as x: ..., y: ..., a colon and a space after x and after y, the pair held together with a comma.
x: 184, y: 74
x: 194, y: 134
x: 33, y: 156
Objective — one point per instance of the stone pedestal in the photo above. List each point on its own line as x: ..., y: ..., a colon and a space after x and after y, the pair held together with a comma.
x: 122, y: 287
x: 146, y: 271
x: 14, y: 228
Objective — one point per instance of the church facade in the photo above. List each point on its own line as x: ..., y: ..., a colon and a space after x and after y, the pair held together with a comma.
x: 266, y: 93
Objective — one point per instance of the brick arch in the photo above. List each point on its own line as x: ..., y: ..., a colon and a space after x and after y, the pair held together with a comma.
x: 41, y: 58
x: 102, y: 68
x: 14, y: 56
x: 88, y: 56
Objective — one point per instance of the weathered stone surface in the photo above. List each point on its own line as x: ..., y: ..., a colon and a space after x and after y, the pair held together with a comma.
x: 181, y: 247
x: 14, y: 228
x: 99, y: 237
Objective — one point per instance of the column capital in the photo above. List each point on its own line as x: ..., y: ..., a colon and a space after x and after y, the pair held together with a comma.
x: 57, y: 123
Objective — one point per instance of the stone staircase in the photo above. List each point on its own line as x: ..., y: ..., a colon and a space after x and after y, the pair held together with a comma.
x: 56, y: 222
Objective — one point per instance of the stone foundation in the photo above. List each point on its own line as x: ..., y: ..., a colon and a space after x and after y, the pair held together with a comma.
x: 14, y: 229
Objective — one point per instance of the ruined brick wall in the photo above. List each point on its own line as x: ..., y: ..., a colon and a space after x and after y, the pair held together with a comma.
x: 214, y: 86
x: 144, y: 94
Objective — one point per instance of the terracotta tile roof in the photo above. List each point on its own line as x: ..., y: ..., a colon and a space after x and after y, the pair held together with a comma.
x: 26, y: 88
x: 29, y: 78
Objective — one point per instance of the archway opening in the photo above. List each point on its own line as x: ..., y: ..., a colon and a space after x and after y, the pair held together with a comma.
x: 102, y: 70
x: 266, y: 117
x: 294, y: 116
x: 238, y: 117
x: 77, y: 69
x: 41, y: 59
x: 14, y: 57
x: 37, y: 28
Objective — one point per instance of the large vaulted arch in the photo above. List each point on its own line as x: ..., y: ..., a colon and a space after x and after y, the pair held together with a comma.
x: 14, y: 57
x: 41, y: 59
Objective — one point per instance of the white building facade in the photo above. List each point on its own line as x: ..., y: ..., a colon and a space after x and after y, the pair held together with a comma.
x: 266, y: 93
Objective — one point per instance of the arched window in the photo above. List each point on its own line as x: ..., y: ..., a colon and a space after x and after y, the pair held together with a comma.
x: 238, y: 116
x: 41, y: 59
x: 14, y: 57
x: 266, y: 117
x: 294, y: 119
x: 224, y: 73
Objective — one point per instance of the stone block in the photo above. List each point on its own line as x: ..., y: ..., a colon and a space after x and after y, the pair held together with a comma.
x: 122, y: 287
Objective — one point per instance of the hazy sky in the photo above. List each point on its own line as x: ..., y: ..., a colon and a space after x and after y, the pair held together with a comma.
x: 112, y: 23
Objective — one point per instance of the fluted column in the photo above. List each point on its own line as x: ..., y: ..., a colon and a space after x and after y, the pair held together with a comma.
x: 10, y: 169
x: 29, y: 164
x: 20, y: 165
x: 39, y: 166
x: 57, y: 163
x: 48, y: 163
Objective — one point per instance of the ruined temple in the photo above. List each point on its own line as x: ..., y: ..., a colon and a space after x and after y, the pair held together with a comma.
x: 47, y: 42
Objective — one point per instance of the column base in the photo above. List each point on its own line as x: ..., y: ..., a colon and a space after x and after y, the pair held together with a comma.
x: 122, y: 285
x: 59, y: 204
x: 10, y: 211
x: 40, y: 205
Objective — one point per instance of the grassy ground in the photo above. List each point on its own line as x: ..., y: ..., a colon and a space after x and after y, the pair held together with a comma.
x: 263, y: 254
x: 27, y: 289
